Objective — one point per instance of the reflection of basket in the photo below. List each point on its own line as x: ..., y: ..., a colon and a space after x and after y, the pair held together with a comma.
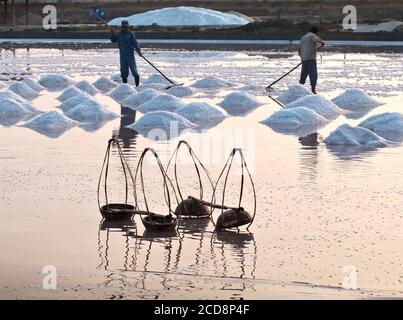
x: 190, y: 207
x: 152, y: 221
x: 115, y: 211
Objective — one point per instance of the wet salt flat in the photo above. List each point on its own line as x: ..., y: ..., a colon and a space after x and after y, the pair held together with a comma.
x: 320, y: 208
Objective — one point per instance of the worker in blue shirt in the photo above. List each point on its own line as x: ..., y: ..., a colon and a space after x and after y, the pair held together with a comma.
x: 127, y: 43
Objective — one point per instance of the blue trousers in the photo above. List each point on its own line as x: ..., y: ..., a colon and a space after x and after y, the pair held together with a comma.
x: 128, y: 62
x: 309, y: 67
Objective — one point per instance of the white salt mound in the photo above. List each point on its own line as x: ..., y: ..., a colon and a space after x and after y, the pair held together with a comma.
x: 23, y: 90
x: 87, y: 87
x: 163, y: 102
x: 12, y: 108
x: 345, y: 135
x: 183, y: 16
x: 4, y: 94
x: 202, y: 114
x: 211, y: 82
x: 239, y: 103
x: 319, y: 104
x: 181, y: 91
x: 137, y: 99
x: 55, y: 82
x: 156, y: 78
x: 89, y: 111
x: 293, y: 93
x: 388, y: 125
x: 104, y: 84
x: 33, y: 84
x: 69, y: 93
x: 155, y: 86
x: 355, y: 100
x: 75, y: 101
x: 121, y: 92
x: 51, y: 120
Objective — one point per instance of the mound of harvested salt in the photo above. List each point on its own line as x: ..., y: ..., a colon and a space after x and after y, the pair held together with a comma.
x: 75, y: 101
x: 69, y: 93
x: 89, y: 111
x: 239, y: 103
x: 23, y: 90
x: 355, y: 100
x: 293, y: 93
x: 33, y: 84
x: 55, y: 82
x: 155, y: 86
x: 12, y: 108
x: 211, y: 82
x: 156, y: 78
x: 11, y: 95
x: 2, y: 84
x: 345, y: 135
x: 121, y: 92
x: 84, y: 85
x: 104, y: 84
x: 202, y: 114
x: 388, y: 125
x: 319, y: 104
x: 137, y: 99
x: 51, y: 120
x: 299, y: 121
x: 163, y: 102
x: 181, y: 91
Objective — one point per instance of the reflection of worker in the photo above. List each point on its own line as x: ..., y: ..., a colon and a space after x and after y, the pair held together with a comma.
x: 309, y: 45
x: 127, y: 43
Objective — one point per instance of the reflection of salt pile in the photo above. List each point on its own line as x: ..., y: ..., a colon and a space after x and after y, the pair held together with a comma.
x: 104, y: 84
x: 355, y: 100
x: 69, y: 93
x: 293, y: 93
x: 156, y: 78
x: 23, y: 90
x: 12, y: 108
x: 87, y: 87
x: 74, y: 101
x: 319, y: 104
x: 239, y: 103
x: 90, y: 110
x: 181, y: 91
x: 51, y: 120
x: 388, y: 125
x: 55, y: 82
x: 137, y: 99
x: 345, y: 135
x: 121, y: 92
x: 33, y: 84
x: 211, y: 82
x: 163, y: 102
x: 202, y: 114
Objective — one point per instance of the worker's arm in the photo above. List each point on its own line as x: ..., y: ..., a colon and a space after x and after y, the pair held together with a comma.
x: 318, y: 41
x: 114, y: 37
x: 135, y: 44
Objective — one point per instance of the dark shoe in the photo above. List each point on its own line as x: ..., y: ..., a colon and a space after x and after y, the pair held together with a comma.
x: 314, y: 89
x: 137, y: 80
x: 124, y: 80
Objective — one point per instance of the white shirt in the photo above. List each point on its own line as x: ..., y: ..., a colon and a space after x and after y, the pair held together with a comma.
x: 308, y: 46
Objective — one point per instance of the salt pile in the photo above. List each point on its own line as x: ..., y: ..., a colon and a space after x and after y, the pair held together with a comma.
x: 90, y: 110
x: 202, y: 114
x: 23, y: 90
x: 156, y: 78
x: 69, y: 93
x: 211, y: 82
x: 293, y: 93
x: 345, y: 135
x: 12, y: 108
x: 84, y: 85
x: 51, y: 120
x: 183, y: 16
x: 389, y: 26
x: 121, y: 92
x: 118, y: 79
x: 75, y: 101
x: 355, y: 100
x: 239, y: 103
x: 55, y: 82
x: 104, y: 84
x: 298, y: 121
x: 319, y: 104
x: 11, y: 95
x: 181, y: 91
x: 33, y: 84
x: 388, y: 125
x: 137, y: 99
x: 163, y: 102
x: 155, y: 86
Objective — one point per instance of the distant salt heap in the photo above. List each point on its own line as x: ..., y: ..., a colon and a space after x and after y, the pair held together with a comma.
x: 319, y: 104
x: 75, y: 101
x: 84, y: 85
x: 69, y: 93
x: 137, y: 99
x: 33, y: 84
x: 156, y: 78
x: 211, y: 82
x: 293, y: 93
x: 13, y: 108
x: 55, y: 82
x: 202, y: 114
x: 239, y: 103
x: 89, y: 111
x: 181, y: 91
x: 121, y: 92
x: 23, y: 90
x: 387, y: 125
x: 51, y: 120
x: 345, y: 135
x: 104, y: 84
x: 163, y: 102
x: 355, y: 100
